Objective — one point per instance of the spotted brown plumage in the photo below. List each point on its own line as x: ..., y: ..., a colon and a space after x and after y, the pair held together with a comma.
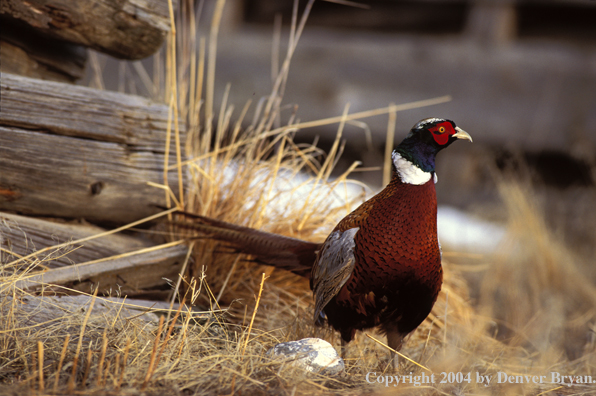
x: 381, y: 265
x: 398, y: 274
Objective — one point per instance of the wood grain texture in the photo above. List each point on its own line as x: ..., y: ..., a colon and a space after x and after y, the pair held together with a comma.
x: 17, y: 60
x: 130, y: 275
x: 27, y: 52
x: 97, y: 261
x: 23, y: 235
x: 43, y: 311
x: 76, y: 152
x: 136, y: 122
x: 126, y: 29
x: 63, y: 176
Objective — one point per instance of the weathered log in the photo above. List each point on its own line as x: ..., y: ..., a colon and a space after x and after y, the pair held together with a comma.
x: 129, y: 275
x: 62, y: 176
x: 115, y: 144
x: 116, y: 262
x: 16, y: 60
x: 126, y: 29
x: 22, y: 235
x: 134, y: 121
x: 27, y: 52
x: 43, y: 311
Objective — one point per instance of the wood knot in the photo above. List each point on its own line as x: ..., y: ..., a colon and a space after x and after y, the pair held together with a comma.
x: 95, y: 188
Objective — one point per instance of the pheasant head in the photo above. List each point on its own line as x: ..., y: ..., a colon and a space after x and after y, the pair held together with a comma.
x: 414, y: 157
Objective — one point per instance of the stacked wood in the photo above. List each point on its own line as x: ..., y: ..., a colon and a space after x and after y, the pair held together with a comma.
x: 76, y: 152
x: 125, y: 29
x: 27, y: 52
x: 130, y: 265
x: 75, y: 155
x: 79, y: 153
x: 23, y: 235
x: 48, y: 38
x: 44, y: 311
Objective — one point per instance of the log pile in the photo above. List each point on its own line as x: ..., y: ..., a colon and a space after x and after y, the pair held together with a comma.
x: 75, y: 161
x: 124, y: 29
x: 76, y: 152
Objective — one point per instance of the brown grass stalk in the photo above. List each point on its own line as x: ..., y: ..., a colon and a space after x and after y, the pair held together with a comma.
x: 398, y: 353
x: 40, y: 365
x: 61, y: 361
x: 124, y: 363
x: 532, y: 302
x: 174, y: 103
x: 88, y: 363
x: 116, y: 371
x: 169, y: 333
x: 102, y: 234
x: 166, y: 159
x: 71, y: 382
x: 105, y: 374
x: 183, y: 334
x: 104, y: 346
x: 389, y: 142
x: 180, y: 277
x: 252, y: 320
x: 227, y: 279
x: 153, y: 354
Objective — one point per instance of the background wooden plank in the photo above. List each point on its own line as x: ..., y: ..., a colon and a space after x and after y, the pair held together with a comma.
x: 84, y: 112
x: 125, y: 29
x: 130, y: 275
x: 63, y: 176
x: 44, y: 311
x: 23, y: 235
x: 97, y: 261
x: 26, y: 52
x: 77, y: 152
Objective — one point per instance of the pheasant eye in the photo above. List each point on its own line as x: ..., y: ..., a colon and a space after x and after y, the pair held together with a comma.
x: 439, y: 135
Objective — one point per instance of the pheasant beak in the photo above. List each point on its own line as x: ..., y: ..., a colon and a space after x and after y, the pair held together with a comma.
x: 461, y: 134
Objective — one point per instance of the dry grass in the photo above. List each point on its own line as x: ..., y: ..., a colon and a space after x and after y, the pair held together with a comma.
x: 535, y: 314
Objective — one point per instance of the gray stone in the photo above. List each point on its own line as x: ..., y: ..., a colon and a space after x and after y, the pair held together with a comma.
x: 311, y: 354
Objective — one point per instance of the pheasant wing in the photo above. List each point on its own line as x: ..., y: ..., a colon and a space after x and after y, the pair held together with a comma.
x: 334, y: 265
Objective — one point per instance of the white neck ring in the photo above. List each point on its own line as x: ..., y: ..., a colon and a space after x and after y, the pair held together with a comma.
x: 408, y: 172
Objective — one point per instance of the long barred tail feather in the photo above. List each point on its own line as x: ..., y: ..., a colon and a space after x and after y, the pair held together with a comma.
x: 266, y: 248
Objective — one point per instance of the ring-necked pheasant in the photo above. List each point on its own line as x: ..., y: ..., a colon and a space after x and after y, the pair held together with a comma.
x: 381, y: 265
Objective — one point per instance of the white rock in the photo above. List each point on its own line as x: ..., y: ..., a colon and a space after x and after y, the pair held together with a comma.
x: 311, y: 354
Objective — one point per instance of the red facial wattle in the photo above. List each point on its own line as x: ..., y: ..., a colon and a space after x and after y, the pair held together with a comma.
x: 441, y: 132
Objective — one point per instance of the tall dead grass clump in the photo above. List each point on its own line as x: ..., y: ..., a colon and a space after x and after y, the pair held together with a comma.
x: 536, y: 290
